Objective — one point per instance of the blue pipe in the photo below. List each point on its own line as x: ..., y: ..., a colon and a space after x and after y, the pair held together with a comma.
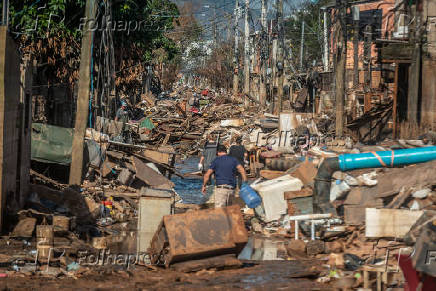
x: 379, y: 159
x: 347, y: 162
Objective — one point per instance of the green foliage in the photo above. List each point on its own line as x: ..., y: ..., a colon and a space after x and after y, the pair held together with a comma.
x: 139, y: 23
x: 44, y: 18
x: 149, y: 20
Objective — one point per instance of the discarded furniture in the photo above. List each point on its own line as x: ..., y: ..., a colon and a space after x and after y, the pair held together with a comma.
x: 153, y: 206
x: 313, y: 219
x: 272, y: 193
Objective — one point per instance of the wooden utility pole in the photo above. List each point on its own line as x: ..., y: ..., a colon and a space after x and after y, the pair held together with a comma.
x: 273, y: 84
x: 302, y: 46
x: 25, y: 130
x: 215, y: 47
x: 247, y: 54
x: 367, y: 75
x: 263, y: 53
x: 340, y: 68
x: 356, y: 16
x: 415, y: 75
x: 280, y: 57
x: 76, y: 168
x: 236, y: 52
x: 5, y: 15
x: 326, y: 43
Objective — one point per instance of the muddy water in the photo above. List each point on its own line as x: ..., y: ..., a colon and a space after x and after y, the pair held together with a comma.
x: 189, y: 189
x: 263, y: 249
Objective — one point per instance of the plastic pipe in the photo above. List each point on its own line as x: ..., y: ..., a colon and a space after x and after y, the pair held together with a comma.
x: 380, y: 159
x: 347, y: 162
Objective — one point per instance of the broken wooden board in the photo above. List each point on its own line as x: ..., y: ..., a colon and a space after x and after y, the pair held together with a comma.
x: 106, y: 168
x: 271, y: 174
x: 24, y: 228
x: 125, y: 177
x: 399, y: 199
x: 156, y: 156
x: 305, y: 171
x: 391, y: 182
x: 363, y: 196
x: 224, y: 261
x: 150, y: 176
x: 389, y: 222
x: 354, y: 214
x: 305, y: 192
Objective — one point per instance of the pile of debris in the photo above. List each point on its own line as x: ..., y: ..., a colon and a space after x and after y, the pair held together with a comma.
x: 384, y: 215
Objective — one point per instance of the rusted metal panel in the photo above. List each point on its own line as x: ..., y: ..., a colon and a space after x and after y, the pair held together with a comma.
x: 198, y: 234
x: 239, y: 232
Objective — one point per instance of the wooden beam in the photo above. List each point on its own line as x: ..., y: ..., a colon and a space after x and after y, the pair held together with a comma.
x: 82, y: 112
x: 394, y: 106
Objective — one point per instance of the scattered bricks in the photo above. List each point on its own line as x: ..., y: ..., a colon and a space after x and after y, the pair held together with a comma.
x: 315, y: 247
x: 334, y: 247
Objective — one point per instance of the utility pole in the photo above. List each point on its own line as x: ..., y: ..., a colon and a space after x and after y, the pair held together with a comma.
x: 280, y: 57
x: 5, y: 15
x: 236, y: 52
x: 263, y: 52
x: 326, y: 43
x: 302, y: 46
x: 214, y: 26
x: 82, y: 112
x: 367, y: 61
x: 273, y: 83
x: 340, y: 68
x: 246, y: 54
x: 356, y: 16
x: 215, y: 45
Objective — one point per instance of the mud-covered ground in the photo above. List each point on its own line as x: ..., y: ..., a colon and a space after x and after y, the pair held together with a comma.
x: 264, y: 275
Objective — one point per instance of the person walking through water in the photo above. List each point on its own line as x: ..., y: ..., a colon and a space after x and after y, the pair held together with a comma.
x: 225, y: 168
x: 238, y: 151
x: 209, y: 153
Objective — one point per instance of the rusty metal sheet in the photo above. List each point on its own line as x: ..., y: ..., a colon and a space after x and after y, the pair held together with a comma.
x: 203, y: 233
x: 239, y: 232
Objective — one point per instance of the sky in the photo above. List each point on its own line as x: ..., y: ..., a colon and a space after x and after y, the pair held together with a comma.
x: 205, y: 12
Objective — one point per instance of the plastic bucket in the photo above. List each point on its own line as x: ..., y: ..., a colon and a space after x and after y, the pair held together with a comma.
x: 250, y: 196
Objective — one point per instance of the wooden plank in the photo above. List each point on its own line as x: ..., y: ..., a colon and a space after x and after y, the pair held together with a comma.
x: 400, y: 198
x: 305, y: 192
x: 150, y: 176
x: 270, y: 174
x: 214, y: 262
x: 389, y: 222
x: 159, y: 157
x: 354, y: 214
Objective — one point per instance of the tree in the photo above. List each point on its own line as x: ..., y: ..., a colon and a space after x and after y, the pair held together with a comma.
x: 313, y: 36
x: 50, y: 31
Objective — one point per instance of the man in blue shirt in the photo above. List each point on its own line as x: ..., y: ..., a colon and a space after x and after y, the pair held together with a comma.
x: 225, y: 168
